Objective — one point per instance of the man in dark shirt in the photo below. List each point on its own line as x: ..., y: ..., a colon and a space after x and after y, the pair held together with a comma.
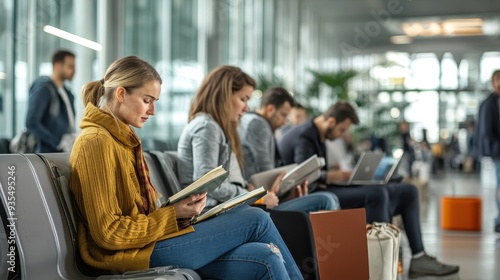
x: 51, y: 112
x: 381, y: 202
x: 488, y: 133
x: 260, y: 153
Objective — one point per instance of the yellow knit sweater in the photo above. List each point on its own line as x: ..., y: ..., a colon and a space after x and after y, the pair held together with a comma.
x: 119, y: 236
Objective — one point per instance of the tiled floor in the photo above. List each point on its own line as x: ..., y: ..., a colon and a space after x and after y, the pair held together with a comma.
x: 477, y: 253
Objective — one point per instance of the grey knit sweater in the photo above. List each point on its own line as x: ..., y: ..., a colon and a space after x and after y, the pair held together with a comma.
x: 202, y: 147
x: 259, y: 148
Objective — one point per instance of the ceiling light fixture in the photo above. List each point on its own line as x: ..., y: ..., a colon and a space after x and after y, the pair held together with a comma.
x: 401, y: 40
x: 72, y: 37
x: 449, y: 27
x: 464, y: 27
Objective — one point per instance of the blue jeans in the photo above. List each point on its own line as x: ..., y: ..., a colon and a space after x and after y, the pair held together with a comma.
x: 242, y: 243
x: 497, y: 171
x: 311, y: 203
x: 384, y: 202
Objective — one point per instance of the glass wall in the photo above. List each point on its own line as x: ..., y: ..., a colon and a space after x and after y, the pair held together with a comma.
x: 437, y: 95
x: 6, y: 76
x: 166, y: 33
x: 184, y: 39
x: 26, y: 53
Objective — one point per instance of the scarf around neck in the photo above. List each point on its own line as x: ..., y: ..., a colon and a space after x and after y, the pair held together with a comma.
x: 148, y: 192
x: 125, y: 135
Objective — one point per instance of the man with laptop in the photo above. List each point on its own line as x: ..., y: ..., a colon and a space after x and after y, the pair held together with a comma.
x: 381, y: 201
x: 372, y: 168
x: 363, y: 171
x: 260, y: 154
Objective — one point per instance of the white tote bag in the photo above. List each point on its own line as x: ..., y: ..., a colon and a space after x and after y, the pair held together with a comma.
x: 383, y: 250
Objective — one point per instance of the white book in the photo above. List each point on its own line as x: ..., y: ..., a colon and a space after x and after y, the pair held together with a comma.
x: 296, y: 174
x: 206, y: 183
x: 244, y: 198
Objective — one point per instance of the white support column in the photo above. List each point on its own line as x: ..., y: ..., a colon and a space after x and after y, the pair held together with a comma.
x: 166, y: 68
x: 204, y: 8
x: 474, y: 75
x: 110, y: 33
x: 85, y: 57
x: 293, y: 35
x: 32, y: 40
x: 269, y: 38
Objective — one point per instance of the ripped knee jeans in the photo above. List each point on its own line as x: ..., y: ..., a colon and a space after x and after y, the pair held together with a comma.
x: 240, y: 244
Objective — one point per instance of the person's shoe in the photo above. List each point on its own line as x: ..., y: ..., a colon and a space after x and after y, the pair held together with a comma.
x: 427, y: 265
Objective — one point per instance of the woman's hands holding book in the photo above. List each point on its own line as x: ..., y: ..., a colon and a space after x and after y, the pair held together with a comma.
x: 298, y: 191
x: 301, y: 190
x: 277, y: 183
x: 271, y: 199
x: 191, y: 206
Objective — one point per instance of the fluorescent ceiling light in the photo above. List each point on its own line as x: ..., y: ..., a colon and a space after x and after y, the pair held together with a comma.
x: 464, y: 22
x: 401, y: 40
x: 470, y: 26
x: 449, y: 27
x: 421, y: 28
x: 72, y: 37
x: 2, y: 75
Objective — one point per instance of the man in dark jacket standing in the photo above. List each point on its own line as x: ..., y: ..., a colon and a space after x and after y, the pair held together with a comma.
x: 51, y: 112
x: 488, y: 133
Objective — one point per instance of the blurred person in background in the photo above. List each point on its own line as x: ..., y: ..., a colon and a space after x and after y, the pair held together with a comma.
x: 51, y: 112
x: 488, y: 133
x: 297, y: 116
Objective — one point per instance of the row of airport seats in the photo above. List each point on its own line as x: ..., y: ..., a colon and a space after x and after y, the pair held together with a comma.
x: 39, y: 232
x: 42, y: 218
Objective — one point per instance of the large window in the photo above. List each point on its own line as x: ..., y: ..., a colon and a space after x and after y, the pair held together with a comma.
x: 166, y: 33
x: 184, y: 39
x: 490, y: 62
x: 28, y: 51
x: 6, y: 77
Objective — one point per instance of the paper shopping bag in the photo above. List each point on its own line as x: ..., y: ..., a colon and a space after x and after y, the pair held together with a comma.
x: 341, y: 244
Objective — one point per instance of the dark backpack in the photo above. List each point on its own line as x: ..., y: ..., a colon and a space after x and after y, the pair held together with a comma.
x: 23, y: 143
x: 4, y: 146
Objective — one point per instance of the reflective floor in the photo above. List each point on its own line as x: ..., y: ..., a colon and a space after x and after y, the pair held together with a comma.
x: 477, y: 253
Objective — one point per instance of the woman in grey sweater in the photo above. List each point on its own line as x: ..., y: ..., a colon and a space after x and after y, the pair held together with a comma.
x: 211, y: 139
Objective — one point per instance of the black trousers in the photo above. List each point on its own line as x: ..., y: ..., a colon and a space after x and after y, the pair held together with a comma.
x: 384, y: 202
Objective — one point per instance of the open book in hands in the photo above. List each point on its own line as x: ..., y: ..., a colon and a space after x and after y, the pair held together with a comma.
x: 206, y: 183
x: 244, y: 198
x: 296, y: 174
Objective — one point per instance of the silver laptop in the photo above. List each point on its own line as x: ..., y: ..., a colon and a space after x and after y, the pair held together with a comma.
x: 365, y: 168
x: 386, y: 169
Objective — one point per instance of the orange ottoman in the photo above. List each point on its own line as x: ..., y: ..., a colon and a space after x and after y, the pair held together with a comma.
x: 461, y: 213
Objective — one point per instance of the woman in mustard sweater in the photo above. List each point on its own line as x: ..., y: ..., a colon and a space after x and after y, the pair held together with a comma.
x: 124, y: 229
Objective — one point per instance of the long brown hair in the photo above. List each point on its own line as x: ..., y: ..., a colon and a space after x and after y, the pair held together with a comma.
x: 214, y: 98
